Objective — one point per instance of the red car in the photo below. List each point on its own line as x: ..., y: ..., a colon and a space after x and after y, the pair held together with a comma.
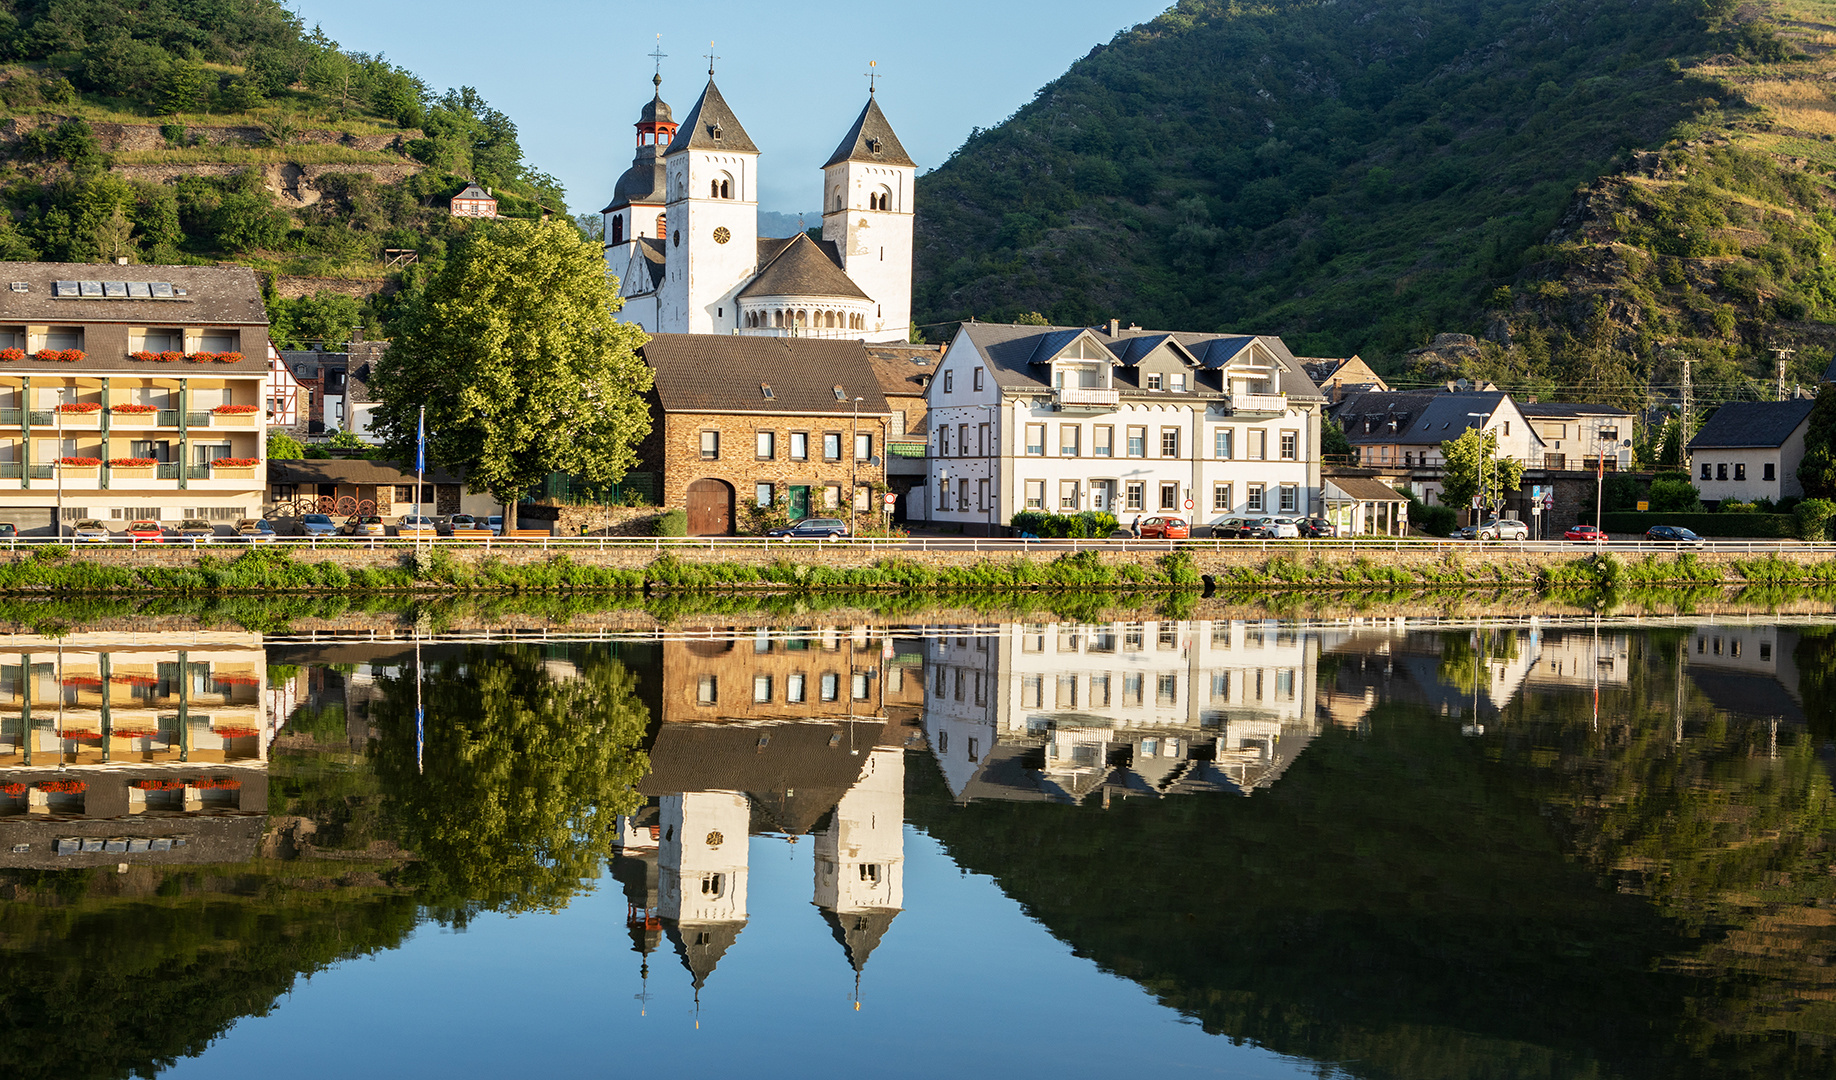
x: 1585, y: 534
x: 1165, y: 528
x: 145, y: 532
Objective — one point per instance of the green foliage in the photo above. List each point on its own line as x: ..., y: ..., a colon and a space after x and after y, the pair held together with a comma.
x: 1475, y: 470
x: 1084, y: 525
x: 284, y: 447
x: 1674, y: 496
x: 523, y: 370
x: 1814, y: 518
x: 672, y: 522
x: 1817, y: 471
x: 1757, y: 526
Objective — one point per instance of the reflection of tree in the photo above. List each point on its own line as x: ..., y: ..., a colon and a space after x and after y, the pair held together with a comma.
x: 524, y: 775
x: 1465, y: 653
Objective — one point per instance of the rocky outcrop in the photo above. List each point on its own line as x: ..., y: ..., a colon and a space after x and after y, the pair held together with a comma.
x: 117, y: 138
x: 293, y: 185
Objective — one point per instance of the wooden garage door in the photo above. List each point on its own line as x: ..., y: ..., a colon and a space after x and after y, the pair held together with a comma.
x: 710, y: 508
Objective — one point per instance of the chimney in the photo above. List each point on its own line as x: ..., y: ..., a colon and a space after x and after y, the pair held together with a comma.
x: 1115, y: 327
x: 357, y: 336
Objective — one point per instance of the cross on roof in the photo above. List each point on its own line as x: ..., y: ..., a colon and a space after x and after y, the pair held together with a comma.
x: 711, y: 59
x: 873, y: 75
x: 658, y: 55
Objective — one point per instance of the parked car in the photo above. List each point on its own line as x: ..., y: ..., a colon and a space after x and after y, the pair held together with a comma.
x: 1504, y: 529
x: 417, y: 523
x: 145, y: 531
x: 90, y: 531
x: 1234, y: 527
x: 196, y: 529
x: 364, y: 525
x: 318, y: 525
x: 1585, y: 534
x: 1277, y: 528
x: 1317, y: 528
x: 495, y: 523
x: 8, y: 531
x: 255, y: 530
x: 462, y: 521
x: 1673, y: 534
x: 1165, y: 528
x: 812, y: 529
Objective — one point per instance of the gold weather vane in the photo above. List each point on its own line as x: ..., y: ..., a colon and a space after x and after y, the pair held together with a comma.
x: 873, y: 75
x: 711, y: 59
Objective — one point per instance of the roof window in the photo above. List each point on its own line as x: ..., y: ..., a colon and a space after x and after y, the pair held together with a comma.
x: 840, y: 395
x: 765, y: 388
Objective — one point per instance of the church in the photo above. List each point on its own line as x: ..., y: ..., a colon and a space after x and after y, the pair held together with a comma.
x: 681, y: 233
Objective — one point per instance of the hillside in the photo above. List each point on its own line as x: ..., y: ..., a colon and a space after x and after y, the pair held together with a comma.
x: 174, y: 133
x: 1361, y: 175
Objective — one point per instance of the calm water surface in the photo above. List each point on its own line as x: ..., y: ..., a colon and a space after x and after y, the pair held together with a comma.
x: 1167, y: 847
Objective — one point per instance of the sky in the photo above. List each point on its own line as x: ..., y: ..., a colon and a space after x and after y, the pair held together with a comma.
x: 572, y: 75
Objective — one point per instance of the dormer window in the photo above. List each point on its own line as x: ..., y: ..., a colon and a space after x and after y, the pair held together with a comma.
x: 1177, y: 382
x: 765, y: 389
x: 714, y: 130
x: 1153, y: 381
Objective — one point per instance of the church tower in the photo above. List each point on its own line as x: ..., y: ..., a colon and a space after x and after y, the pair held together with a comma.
x: 860, y: 857
x: 701, y: 875
x: 712, y: 216
x: 867, y: 214
x: 634, y: 220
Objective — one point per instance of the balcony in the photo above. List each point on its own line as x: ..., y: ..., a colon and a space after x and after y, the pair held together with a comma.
x: 166, y: 418
x: 169, y: 470
x: 197, y: 419
x: 1085, y: 399
x: 11, y: 417
x: 197, y: 472
x: 41, y: 418
x: 1258, y: 404
x: 11, y: 470
x: 42, y: 472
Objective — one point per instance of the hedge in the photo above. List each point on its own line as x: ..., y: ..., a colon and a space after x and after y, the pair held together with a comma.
x: 1751, y: 526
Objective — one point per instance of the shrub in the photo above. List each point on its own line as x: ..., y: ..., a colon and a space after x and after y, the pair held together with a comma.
x: 1674, y: 497
x: 1814, y: 517
x: 672, y: 523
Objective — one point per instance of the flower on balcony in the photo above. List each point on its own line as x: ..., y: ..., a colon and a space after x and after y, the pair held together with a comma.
x: 170, y: 356
x: 235, y: 463
x: 216, y: 783
x: 132, y: 462
x: 229, y: 358
x: 143, y: 354
x: 80, y: 462
x: 14, y: 789
x: 135, y: 409
x: 68, y: 787
x: 202, y: 357
x: 63, y: 356
x: 157, y: 785
x: 236, y: 410
x: 216, y: 357
x: 80, y: 407
x: 12, y: 354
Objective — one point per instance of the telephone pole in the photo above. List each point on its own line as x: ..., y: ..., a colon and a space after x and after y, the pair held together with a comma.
x: 1783, y: 355
x: 1689, y: 407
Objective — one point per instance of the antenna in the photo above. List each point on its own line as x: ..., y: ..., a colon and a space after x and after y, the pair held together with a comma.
x: 658, y: 55
x: 873, y: 75
x: 711, y: 58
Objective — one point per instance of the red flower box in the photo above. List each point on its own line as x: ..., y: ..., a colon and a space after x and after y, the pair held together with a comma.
x: 236, y: 410
x: 235, y: 463
x: 82, y: 680
x: 12, y: 354
x: 80, y: 407
x: 160, y: 785
x: 237, y: 680
x: 132, y: 462
x: 134, y: 733
x: 64, y: 356
x: 216, y: 357
x: 170, y: 356
x: 80, y: 462
x: 68, y: 787
x: 143, y: 354
x: 236, y: 732
x: 136, y: 409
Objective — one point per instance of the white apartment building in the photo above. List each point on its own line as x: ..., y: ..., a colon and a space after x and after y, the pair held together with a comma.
x: 1133, y: 422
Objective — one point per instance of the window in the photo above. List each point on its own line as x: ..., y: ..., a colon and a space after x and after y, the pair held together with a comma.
x: 1032, y: 692
x: 857, y: 685
x: 1771, y: 471
x: 1706, y: 474
x: 863, y: 447
x: 1169, y: 495
x: 949, y: 382
x: 1290, y: 445
x: 1099, y: 691
x: 1103, y: 444
x: 1131, y: 689
x: 1035, y: 494
x: 793, y: 689
x: 761, y: 689
x: 1169, y: 442
x: 1607, y: 434
x: 1069, y: 438
x: 978, y: 379
x: 1284, y: 685
x: 1137, y: 442
x: 767, y: 445
x: 831, y: 686
x: 766, y: 494
x: 1721, y: 471
x: 710, y: 445
x: 1176, y: 382
x: 1067, y: 692
x: 1166, y: 690
x: 983, y: 444
x: 1740, y: 470
x: 1255, y: 498
x: 962, y: 494
x: 1258, y: 444
x: 831, y: 497
x: 1035, y: 440
x: 1132, y: 494
x: 1290, y: 498
x: 707, y: 690
x: 1222, y: 443
x: 831, y: 446
x: 862, y: 494
x: 800, y: 445
x: 1220, y: 498
x: 64, y: 337
x: 1153, y: 381
x: 1067, y: 494
x: 962, y: 440
x: 1220, y: 686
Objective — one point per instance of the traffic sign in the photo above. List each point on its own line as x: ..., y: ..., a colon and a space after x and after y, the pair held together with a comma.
x: 890, y: 498
x: 1188, y: 504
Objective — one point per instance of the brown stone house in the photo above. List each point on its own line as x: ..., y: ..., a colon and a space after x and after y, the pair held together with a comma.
x: 746, y: 421
x: 905, y: 372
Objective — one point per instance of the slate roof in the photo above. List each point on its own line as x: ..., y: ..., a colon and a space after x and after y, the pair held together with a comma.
x: 656, y: 110
x: 859, y: 932
x: 1749, y: 424
x: 722, y: 373
x: 803, y: 268
x: 871, y: 139
x: 1364, y: 489
x: 351, y: 471
x: 644, y: 182
x: 1013, y: 353
x: 903, y: 369
x: 1422, y: 418
x: 1565, y: 410
x: 212, y: 296
x: 697, y: 130
x: 711, y: 942
x: 793, y: 772
x: 1446, y: 418
x: 473, y: 191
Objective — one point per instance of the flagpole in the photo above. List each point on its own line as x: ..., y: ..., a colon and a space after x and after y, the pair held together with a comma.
x: 420, y: 472
x: 420, y: 713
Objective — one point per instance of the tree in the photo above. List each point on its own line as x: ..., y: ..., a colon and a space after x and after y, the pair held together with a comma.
x: 1817, y: 472
x: 181, y: 85
x: 1333, y: 442
x: 284, y: 447
x: 523, y: 371
x: 1475, y: 470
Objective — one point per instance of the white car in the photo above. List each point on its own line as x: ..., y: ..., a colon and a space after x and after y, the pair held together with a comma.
x: 1279, y: 529
x: 495, y: 523
x: 1504, y: 529
x: 412, y: 523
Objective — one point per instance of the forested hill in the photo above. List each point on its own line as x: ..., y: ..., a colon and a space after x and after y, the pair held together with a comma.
x: 1358, y: 175
x: 225, y: 130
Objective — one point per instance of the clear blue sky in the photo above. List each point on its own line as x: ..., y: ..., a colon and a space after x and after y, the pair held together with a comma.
x: 574, y: 74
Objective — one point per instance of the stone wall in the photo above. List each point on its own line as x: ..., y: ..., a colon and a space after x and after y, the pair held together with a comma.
x: 113, y: 137
x: 292, y: 287
x: 679, y: 450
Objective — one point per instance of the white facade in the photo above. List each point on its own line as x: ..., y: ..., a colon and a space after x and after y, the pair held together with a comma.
x: 711, y: 247
x: 867, y: 215
x: 860, y: 857
x: 702, y: 857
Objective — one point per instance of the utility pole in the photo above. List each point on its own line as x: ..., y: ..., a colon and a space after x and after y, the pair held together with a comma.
x: 1783, y: 355
x: 1688, y: 411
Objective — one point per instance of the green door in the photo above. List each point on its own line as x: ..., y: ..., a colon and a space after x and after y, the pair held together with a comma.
x: 799, y: 502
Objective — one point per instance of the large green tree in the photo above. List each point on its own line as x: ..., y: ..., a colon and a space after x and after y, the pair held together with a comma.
x: 1475, y: 469
x: 522, y: 369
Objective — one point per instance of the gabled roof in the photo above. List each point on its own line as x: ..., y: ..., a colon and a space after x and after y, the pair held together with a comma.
x: 859, y: 932
x: 1131, y: 351
x: 1446, y: 418
x: 903, y: 369
x: 723, y: 373
x: 1565, y: 410
x: 709, y: 115
x: 1364, y: 489
x: 1752, y: 424
x: 473, y: 191
x: 871, y: 139
x: 701, y: 955
x: 1015, y: 353
x: 802, y: 268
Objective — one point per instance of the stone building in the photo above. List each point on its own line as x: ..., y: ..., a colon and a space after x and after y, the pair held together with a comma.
x: 905, y: 373
x: 741, y: 422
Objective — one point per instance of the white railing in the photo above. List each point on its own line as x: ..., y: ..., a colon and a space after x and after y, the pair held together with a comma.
x: 1088, y: 396
x: 1275, y: 403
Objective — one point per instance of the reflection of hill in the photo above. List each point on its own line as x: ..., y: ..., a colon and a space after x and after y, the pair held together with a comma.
x: 1389, y: 905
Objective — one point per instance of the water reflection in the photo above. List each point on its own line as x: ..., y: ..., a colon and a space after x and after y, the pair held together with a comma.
x: 1467, y: 849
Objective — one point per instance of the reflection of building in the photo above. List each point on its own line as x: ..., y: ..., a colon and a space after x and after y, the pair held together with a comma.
x: 1152, y: 708
x: 1580, y: 658
x: 771, y: 674
x: 113, y: 751
x: 860, y: 856
x: 1749, y: 669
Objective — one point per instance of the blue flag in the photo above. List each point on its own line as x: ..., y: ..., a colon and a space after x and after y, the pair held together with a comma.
x: 420, y: 442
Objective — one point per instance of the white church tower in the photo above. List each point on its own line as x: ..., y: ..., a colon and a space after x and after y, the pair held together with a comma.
x: 867, y: 214
x: 701, y: 874
x: 712, y: 216
x: 860, y: 856
x: 635, y: 219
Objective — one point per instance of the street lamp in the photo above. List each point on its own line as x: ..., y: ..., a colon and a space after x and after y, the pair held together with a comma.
x: 1486, y: 434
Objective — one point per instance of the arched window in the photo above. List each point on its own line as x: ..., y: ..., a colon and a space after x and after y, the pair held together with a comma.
x: 838, y: 199
x: 777, y: 319
x: 618, y: 229
x: 661, y: 225
x: 714, y: 189
x: 726, y: 189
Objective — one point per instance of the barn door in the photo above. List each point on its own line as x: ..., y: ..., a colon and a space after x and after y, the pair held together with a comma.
x: 710, y: 508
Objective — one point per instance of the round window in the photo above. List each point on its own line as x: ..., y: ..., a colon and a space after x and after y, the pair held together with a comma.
x: 676, y: 238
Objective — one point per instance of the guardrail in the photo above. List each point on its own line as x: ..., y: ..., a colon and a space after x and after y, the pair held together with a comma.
x: 974, y: 545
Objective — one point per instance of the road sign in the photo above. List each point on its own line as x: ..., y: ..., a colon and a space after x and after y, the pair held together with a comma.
x: 1643, y: 506
x: 890, y: 498
x: 1188, y: 504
